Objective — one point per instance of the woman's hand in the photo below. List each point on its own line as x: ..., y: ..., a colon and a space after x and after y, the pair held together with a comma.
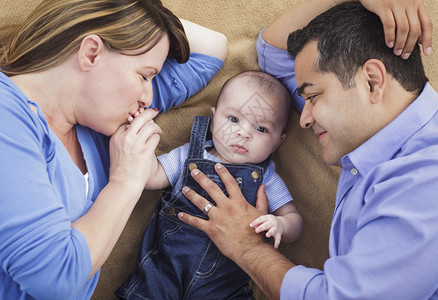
x: 405, y: 22
x: 132, y: 150
x: 132, y: 161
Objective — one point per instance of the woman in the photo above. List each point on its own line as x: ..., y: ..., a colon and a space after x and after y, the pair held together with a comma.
x: 76, y: 72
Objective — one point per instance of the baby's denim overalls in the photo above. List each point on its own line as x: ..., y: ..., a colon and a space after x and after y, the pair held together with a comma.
x: 177, y: 261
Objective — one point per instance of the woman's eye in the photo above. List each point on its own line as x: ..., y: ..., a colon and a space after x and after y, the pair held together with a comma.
x: 261, y: 129
x: 233, y: 119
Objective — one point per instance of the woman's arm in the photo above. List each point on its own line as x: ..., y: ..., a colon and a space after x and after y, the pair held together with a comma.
x: 132, y: 163
x: 205, y: 41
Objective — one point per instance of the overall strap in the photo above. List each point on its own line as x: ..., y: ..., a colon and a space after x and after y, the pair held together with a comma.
x: 197, y: 139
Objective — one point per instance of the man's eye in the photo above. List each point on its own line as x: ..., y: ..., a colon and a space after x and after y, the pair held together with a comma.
x: 261, y: 129
x: 233, y: 119
x: 310, y: 98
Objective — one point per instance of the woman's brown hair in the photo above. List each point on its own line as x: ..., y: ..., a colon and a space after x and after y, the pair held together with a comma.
x: 55, y: 29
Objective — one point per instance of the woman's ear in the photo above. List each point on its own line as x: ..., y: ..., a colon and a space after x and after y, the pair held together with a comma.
x: 90, y: 51
x: 376, y: 76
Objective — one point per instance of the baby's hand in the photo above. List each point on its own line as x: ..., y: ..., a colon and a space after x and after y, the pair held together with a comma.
x: 271, y: 224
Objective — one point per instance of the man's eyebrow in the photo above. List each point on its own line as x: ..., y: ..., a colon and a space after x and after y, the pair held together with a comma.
x: 303, y: 87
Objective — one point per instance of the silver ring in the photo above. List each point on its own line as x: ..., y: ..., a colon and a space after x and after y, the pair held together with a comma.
x: 207, y: 208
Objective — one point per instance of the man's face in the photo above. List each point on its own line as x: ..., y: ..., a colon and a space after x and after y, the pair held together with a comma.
x: 337, y: 116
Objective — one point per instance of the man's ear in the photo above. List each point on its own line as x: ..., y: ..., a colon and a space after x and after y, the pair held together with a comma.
x: 90, y: 50
x: 376, y: 76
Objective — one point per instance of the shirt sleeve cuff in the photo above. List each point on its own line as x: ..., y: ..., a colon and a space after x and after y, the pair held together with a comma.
x: 296, y: 283
x: 281, y: 65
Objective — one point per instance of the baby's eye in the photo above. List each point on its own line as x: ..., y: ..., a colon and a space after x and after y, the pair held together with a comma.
x: 233, y: 119
x: 261, y: 129
x: 144, y: 78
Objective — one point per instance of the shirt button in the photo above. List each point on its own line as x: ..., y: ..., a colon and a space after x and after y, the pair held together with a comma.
x: 354, y: 171
x: 255, y: 175
x: 192, y: 166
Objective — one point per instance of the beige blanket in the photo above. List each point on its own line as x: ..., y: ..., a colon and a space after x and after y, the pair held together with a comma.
x: 311, y: 182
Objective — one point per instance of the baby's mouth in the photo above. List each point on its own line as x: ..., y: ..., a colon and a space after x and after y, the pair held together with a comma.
x: 239, y: 148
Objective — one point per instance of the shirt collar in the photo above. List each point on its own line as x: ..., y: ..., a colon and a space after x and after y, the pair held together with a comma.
x: 387, y: 142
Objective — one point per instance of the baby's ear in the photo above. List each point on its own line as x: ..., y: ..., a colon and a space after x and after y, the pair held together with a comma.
x: 282, y: 137
x: 212, y: 112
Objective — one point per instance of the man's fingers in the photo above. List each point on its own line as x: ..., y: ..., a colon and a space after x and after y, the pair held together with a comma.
x: 195, y: 198
x: 262, y: 199
x: 194, y: 221
x: 389, y: 26
x: 402, y: 29
x: 228, y: 180
x: 208, y: 185
x: 426, y: 30
x: 413, y: 34
x: 404, y: 23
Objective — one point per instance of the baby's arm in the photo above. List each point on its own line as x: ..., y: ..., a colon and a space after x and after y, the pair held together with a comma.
x: 158, y: 180
x: 284, y: 224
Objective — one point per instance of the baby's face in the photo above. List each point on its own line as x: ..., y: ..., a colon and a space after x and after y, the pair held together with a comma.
x: 247, y: 125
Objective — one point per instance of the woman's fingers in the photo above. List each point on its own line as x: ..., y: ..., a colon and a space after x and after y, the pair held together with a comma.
x: 146, y: 117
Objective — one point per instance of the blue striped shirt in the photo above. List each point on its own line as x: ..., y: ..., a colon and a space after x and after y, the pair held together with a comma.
x: 173, y: 164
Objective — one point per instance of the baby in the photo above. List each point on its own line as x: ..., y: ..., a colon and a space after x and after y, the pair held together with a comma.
x: 247, y: 126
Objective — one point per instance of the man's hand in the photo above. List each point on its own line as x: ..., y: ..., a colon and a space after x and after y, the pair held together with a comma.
x: 228, y: 224
x: 405, y: 22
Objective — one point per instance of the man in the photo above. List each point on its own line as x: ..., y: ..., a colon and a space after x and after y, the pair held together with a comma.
x: 376, y: 116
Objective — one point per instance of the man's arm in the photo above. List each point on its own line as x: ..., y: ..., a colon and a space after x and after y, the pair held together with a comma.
x: 405, y: 23
x: 228, y: 227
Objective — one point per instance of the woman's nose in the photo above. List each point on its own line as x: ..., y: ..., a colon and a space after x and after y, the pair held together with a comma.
x: 146, y: 96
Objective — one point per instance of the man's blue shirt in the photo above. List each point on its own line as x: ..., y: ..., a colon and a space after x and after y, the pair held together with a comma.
x: 384, y: 234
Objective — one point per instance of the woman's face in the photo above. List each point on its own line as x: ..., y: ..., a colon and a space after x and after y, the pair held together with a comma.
x: 118, y: 85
